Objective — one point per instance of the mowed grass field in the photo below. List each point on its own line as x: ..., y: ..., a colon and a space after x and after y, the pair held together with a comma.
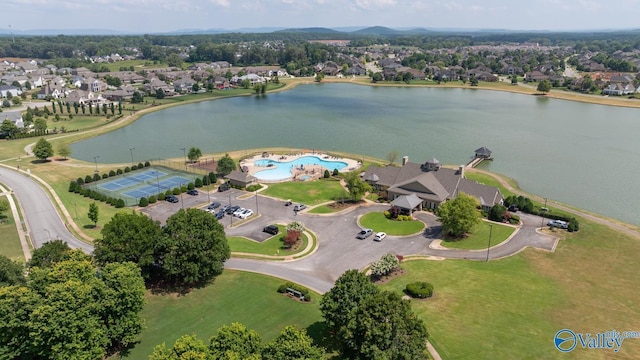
x: 378, y: 222
x: 248, y: 298
x: 512, y: 308
x: 307, y: 192
x: 479, y: 237
x: 9, y: 240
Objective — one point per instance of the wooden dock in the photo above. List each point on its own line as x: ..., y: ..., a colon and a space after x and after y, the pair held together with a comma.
x: 476, y: 161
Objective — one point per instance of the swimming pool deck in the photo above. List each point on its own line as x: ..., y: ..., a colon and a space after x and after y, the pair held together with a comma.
x: 312, y: 171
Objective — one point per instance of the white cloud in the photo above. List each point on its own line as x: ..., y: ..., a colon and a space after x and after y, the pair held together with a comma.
x: 223, y: 3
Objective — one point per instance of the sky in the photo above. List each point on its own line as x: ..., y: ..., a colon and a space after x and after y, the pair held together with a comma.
x: 152, y: 16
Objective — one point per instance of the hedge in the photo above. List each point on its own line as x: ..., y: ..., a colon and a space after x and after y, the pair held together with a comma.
x: 303, y: 290
x: 420, y: 290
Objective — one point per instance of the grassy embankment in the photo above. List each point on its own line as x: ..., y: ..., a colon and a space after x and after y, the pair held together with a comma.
x: 9, y: 240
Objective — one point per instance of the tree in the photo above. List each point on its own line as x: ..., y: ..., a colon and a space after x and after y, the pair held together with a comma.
x: 8, y: 127
x: 385, y: 265
x: 497, y: 212
x: 514, y: 80
x: 195, y: 87
x: 194, y: 247
x: 11, y: 273
x: 225, y: 165
x: 136, y: 98
x: 319, y: 76
x: 385, y: 328
x: 458, y: 216
x: 544, y: 86
x: 6, y: 102
x: 159, y: 93
x: 292, y: 344
x: 40, y: 124
x: 356, y: 186
x: 339, y: 305
x: 93, y: 213
x: 392, y: 156
x: 50, y: 253
x: 187, y: 347
x: 129, y: 237
x: 194, y: 154
x: 42, y: 149
x: 63, y: 150
x: 473, y: 81
x: 235, y: 341
x: 375, y: 77
x: 71, y: 310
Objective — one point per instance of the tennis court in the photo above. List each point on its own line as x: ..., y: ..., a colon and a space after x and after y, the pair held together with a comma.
x: 129, y: 180
x: 155, y: 187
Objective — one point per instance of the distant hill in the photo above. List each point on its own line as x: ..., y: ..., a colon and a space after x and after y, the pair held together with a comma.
x: 311, y: 30
x: 378, y: 30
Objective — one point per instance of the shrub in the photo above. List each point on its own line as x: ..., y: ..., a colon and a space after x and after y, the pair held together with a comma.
x: 420, y: 290
x: 147, y: 164
x: 190, y: 186
x: 213, y: 178
x: 497, y: 212
x: 134, y: 167
x: 326, y: 174
x: 198, y: 183
x: 141, y: 165
x: 385, y: 265
x: 514, y: 219
x: 72, y: 186
x: 205, y: 180
x: 176, y: 191
x: 88, y: 179
x: 119, y: 171
x: 387, y: 214
x: 80, y: 181
x: 573, y: 225
x: 120, y: 203
x: 169, y: 192
x: 105, y: 175
x: 161, y: 196
x: 143, y: 202
x: 335, y: 172
x: 303, y: 290
x: 96, y: 177
x: 127, y: 169
x: 112, y: 173
x: 152, y: 199
x: 254, y: 187
x: 183, y: 189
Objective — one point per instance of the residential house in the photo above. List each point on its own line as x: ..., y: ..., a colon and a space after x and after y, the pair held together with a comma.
x: 84, y: 97
x: 9, y: 89
x: 221, y: 83
x: 27, y: 66
x: 124, y: 92
x: 152, y: 86
x: 14, y: 116
x: 52, y: 92
x: 429, y: 182
x: 93, y: 85
x: 253, y: 79
x: 183, y: 85
x: 619, y: 89
x: 535, y: 75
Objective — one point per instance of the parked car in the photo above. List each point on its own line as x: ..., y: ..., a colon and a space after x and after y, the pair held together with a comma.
x: 232, y: 209
x: 559, y: 224
x: 192, y: 192
x: 299, y: 207
x: 219, y: 214
x: 288, y: 203
x: 245, y: 214
x: 271, y: 229
x: 171, y: 199
x: 238, y: 212
x: 512, y: 208
x: 214, y: 205
x: 365, y: 233
x: 224, y: 208
x: 380, y: 236
x: 223, y: 187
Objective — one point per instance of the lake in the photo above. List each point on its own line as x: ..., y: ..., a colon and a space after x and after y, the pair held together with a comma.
x: 580, y: 154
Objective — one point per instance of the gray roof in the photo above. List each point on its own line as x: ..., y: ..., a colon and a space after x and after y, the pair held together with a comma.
x: 240, y: 176
x: 483, y: 151
x: 407, y: 201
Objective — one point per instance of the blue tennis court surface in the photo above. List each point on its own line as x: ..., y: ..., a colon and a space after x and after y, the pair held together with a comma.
x: 131, y: 179
x: 155, y: 187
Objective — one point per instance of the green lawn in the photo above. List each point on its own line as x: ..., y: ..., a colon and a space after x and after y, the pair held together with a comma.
x: 78, y: 122
x: 322, y: 209
x: 479, y: 237
x: 378, y: 222
x: 306, y: 192
x: 248, y: 298
x: 9, y: 240
x: 489, y: 181
x: 271, y: 246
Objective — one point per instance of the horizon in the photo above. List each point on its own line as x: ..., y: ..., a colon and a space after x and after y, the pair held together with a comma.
x: 169, y: 16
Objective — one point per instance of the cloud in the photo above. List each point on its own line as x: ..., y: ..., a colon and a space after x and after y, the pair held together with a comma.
x: 368, y: 4
x: 223, y: 3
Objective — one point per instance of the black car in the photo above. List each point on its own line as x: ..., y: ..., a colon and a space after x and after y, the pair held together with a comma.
x: 171, y: 199
x: 219, y: 214
x: 214, y: 205
x: 232, y: 209
x: 271, y: 229
x: 223, y: 187
x: 288, y: 203
x: 192, y: 192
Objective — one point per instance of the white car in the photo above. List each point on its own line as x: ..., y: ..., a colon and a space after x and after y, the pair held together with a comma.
x: 238, y: 212
x: 245, y: 214
x: 380, y: 236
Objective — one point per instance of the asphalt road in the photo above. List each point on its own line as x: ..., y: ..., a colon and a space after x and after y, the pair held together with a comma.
x: 43, y: 222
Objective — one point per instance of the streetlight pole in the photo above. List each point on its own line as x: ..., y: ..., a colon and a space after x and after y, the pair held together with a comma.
x: 131, y: 151
x: 230, y: 217
x: 181, y: 200
x: 257, y: 211
x: 543, y: 211
x: 489, y: 244
x: 95, y: 160
x: 184, y: 150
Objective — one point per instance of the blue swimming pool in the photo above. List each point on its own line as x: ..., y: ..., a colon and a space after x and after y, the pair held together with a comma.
x: 281, y: 170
